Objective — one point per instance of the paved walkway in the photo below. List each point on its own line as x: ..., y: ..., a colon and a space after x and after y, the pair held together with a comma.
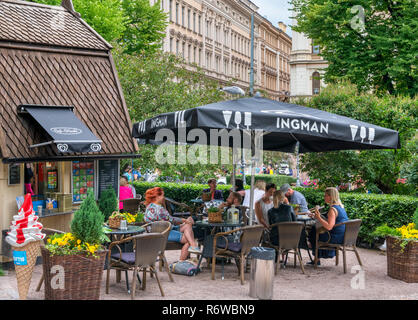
x: 327, y: 282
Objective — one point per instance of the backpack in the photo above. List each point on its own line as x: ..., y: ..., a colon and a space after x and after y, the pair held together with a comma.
x: 185, y: 268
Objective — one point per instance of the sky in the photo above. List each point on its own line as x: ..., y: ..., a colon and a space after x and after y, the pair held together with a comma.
x: 275, y: 11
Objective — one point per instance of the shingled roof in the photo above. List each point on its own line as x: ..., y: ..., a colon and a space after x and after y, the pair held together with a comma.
x: 43, y: 66
x: 30, y: 22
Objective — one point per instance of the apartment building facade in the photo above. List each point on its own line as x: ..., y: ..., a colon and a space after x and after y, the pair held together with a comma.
x: 307, y: 67
x: 216, y: 36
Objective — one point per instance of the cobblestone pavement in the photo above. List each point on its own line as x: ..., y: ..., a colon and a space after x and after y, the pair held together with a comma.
x: 327, y: 282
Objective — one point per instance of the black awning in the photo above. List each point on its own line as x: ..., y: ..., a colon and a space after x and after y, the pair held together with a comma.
x: 65, y: 130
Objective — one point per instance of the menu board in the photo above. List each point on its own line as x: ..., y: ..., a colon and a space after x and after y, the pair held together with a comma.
x: 108, y: 175
x: 52, y: 176
x: 83, y: 179
x: 14, y: 174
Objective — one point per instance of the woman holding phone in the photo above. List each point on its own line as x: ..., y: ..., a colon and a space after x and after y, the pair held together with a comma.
x: 336, y: 215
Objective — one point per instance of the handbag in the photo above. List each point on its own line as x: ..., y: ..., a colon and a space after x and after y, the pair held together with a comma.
x: 185, y: 268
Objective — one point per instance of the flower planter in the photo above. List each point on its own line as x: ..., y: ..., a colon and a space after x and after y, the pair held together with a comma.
x: 402, y: 264
x: 81, y: 276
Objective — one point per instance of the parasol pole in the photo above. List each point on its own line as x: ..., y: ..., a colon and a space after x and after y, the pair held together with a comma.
x: 297, y: 165
x: 251, y: 218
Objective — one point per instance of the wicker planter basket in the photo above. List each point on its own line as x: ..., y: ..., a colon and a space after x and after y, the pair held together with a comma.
x: 402, y: 265
x: 215, y: 217
x: 206, y: 196
x: 114, y: 223
x: 82, y: 276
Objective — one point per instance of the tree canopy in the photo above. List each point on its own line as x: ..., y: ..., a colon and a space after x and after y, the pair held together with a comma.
x: 371, y: 43
x: 374, y: 169
x: 158, y: 82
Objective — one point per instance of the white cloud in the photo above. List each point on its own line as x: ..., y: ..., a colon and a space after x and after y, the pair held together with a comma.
x: 275, y: 11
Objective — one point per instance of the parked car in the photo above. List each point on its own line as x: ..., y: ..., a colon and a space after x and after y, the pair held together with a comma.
x: 284, y: 169
x: 221, y: 180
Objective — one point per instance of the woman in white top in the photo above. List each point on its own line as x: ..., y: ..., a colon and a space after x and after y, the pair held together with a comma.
x: 259, y: 190
x: 264, y: 205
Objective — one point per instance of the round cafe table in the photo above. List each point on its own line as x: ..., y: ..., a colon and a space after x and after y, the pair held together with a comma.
x: 131, y: 230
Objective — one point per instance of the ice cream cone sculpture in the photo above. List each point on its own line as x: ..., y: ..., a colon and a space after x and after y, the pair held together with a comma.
x: 25, y: 237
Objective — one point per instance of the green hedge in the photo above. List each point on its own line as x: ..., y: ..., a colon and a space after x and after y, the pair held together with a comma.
x: 268, y: 178
x: 373, y: 209
x: 179, y: 192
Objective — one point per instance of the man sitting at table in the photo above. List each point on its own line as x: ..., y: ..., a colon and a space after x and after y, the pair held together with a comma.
x: 295, y: 197
x: 215, y: 194
x: 234, y: 199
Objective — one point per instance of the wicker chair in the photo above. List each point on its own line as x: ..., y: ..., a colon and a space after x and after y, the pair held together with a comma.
x: 48, y: 233
x: 288, y: 241
x: 162, y: 227
x: 250, y: 237
x: 131, y: 205
x: 147, y: 248
x: 352, y: 228
x: 244, y: 211
x: 172, y: 205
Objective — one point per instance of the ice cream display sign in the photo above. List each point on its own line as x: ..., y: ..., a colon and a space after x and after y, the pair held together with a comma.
x: 20, y: 258
x: 25, y: 227
x: 25, y: 237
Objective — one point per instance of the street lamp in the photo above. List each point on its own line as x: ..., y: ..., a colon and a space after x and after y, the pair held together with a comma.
x: 234, y: 90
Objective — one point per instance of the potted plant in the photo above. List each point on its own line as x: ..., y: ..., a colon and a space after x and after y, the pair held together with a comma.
x: 73, y: 262
x: 402, y: 250
x: 114, y: 220
x: 206, y: 196
x: 214, y: 215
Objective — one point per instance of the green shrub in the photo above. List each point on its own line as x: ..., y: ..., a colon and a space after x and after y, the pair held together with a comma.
x: 179, y: 192
x: 415, y: 218
x: 87, y: 224
x: 278, y: 180
x: 374, y: 209
x: 108, y: 202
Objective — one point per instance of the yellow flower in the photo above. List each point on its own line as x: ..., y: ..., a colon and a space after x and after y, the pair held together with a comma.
x: 78, y: 241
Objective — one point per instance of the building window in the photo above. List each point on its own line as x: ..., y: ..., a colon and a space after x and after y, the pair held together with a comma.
x: 171, y: 44
x: 183, y: 50
x: 194, y: 21
x: 316, y: 83
x: 189, y: 53
x: 183, y: 22
x: 170, y: 11
x: 177, y: 47
x: 177, y: 13
x: 200, y: 24
x: 194, y: 54
x: 188, y: 19
x: 315, y: 49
